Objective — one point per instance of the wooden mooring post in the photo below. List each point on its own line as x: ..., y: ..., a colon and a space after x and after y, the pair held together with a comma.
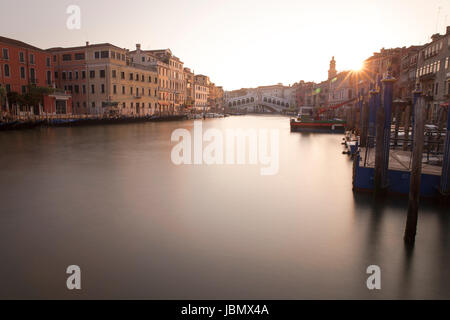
x: 416, y: 169
x: 445, y: 176
x: 406, y: 124
x: 383, y: 137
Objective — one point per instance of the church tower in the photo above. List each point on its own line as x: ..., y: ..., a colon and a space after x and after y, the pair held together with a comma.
x: 332, y: 71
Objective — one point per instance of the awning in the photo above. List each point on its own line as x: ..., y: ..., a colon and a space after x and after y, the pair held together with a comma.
x: 60, y: 96
x: 444, y: 104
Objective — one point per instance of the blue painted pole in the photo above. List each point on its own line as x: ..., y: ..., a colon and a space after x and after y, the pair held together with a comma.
x: 388, y: 90
x: 445, y: 176
x: 372, y: 115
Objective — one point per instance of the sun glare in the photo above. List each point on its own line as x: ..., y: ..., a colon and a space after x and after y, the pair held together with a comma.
x: 358, y: 67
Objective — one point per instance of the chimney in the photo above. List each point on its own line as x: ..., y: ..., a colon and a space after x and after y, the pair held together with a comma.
x: 138, y: 47
x: 87, y: 43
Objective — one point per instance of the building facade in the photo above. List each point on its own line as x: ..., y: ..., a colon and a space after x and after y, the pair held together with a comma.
x: 201, y: 93
x: 22, y: 67
x: 433, y: 73
x: 104, y: 81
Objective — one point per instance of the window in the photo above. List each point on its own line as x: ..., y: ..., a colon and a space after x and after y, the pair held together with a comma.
x: 24, y: 89
x: 21, y: 57
x: 79, y: 56
x: 32, y: 75
x: 5, y: 53
x: 436, y: 88
x: 102, y: 73
x: 64, y: 75
x: 92, y: 88
x: 97, y: 55
x: 83, y: 89
x: 93, y: 104
x: 77, y: 89
x: 104, y: 54
x: 70, y: 75
x: 114, y: 89
x: 137, y: 77
x: 92, y: 74
x: 113, y: 55
x: 31, y: 58
x: 7, y: 74
x: 103, y: 88
x: 76, y: 75
x: 48, y: 61
x: 56, y: 74
x: 67, y: 57
x: 131, y: 90
x: 83, y: 74
x: 114, y: 74
x: 123, y: 89
x: 122, y: 75
x: 22, y: 72
x: 131, y: 76
x: 143, y: 78
x: 49, y: 77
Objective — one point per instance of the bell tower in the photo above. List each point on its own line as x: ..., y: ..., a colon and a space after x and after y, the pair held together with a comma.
x: 332, y: 71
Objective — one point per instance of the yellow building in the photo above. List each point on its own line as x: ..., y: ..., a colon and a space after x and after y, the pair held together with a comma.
x: 103, y: 80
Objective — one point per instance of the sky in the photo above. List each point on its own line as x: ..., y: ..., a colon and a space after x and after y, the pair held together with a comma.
x: 238, y: 43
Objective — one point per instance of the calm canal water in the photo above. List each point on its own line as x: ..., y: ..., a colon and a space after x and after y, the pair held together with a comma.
x: 109, y: 199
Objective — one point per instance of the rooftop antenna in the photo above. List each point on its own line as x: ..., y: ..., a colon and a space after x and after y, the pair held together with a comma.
x: 437, y: 18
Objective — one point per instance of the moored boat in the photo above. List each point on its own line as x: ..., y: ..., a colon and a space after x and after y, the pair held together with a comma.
x: 306, y: 122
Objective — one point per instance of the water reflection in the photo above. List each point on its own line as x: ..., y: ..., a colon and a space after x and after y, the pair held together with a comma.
x: 109, y: 199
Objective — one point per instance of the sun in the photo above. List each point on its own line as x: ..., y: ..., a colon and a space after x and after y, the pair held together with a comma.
x: 358, y: 66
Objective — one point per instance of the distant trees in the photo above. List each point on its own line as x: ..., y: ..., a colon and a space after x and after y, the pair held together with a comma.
x: 33, y: 97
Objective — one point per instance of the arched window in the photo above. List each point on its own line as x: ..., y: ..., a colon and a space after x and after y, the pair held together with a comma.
x: 252, y: 99
x: 239, y: 102
x: 265, y: 99
x: 234, y: 103
x: 248, y: 100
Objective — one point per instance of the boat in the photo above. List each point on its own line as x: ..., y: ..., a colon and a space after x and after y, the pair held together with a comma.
x: 307, y: 122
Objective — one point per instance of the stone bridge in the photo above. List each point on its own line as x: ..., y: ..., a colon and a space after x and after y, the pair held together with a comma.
x: 258, y: 103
